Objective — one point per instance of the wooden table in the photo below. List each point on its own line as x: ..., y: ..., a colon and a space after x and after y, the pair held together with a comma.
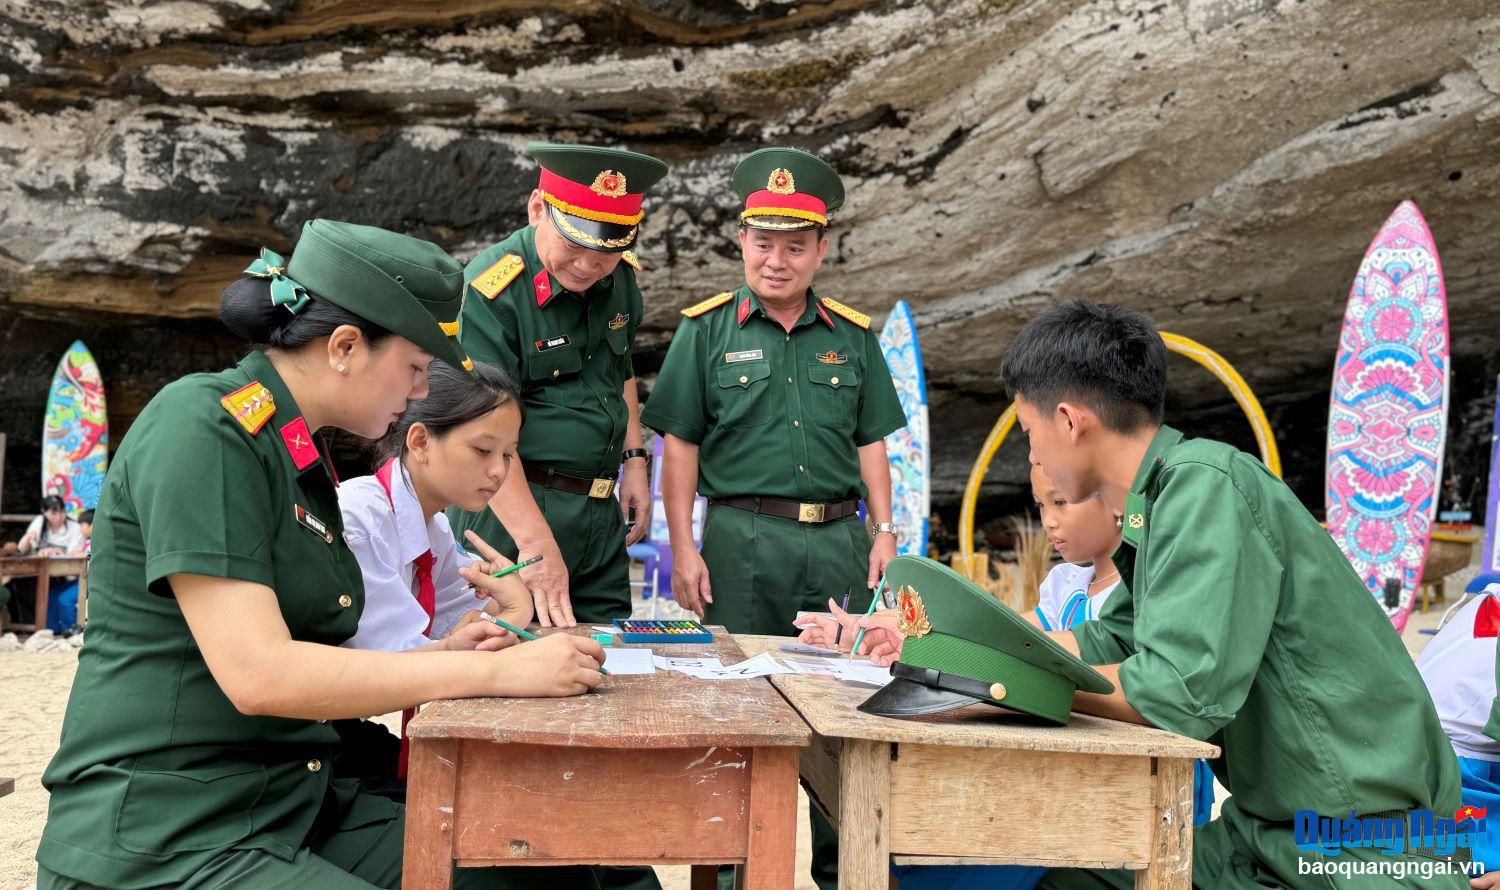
x: 984, y: 786
x: 650, y: 770
x: 44, y: 568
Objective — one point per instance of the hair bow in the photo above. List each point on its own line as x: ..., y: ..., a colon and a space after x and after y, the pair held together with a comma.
x: 284, y: 291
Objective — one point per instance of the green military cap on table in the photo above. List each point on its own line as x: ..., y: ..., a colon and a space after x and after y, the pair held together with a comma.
x: 963, y: 646
x: 595, y: 193
x: 408, y: 286
x: 787, y: 189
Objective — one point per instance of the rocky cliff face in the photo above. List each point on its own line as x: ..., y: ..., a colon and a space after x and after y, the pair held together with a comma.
x: 1221, y: 163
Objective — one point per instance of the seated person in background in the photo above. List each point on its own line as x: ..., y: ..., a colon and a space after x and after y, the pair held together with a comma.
x: 453, y: 447
x: 53, y: 533
x: 1458, y: 666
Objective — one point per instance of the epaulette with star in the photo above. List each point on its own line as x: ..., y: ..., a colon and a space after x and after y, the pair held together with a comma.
x: 708, y: 305
x: 251, y: 406
x: 496, y: 278
x: 631, y: 259
x: 852, y: 315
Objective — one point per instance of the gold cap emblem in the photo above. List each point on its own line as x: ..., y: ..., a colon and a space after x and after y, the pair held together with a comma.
x: 781, y: 182
x: 609, y: 184
x: 913, y: 621
x: 997, y: 691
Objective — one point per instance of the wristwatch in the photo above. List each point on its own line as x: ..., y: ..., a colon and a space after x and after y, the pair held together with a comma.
x: 884, y: 528
x: 634, y: 452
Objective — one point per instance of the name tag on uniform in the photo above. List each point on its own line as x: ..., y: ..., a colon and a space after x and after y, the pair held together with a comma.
x: 748, y: 355
x: 553, y: 343
x: 313, y: 524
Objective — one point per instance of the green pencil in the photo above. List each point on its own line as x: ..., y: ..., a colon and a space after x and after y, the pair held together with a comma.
x: 517, y: 567
x: 523, y: 634
x: 868, y: 612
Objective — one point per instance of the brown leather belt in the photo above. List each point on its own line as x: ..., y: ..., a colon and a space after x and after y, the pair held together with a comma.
x: 546, y: 476
x: 791, y: 509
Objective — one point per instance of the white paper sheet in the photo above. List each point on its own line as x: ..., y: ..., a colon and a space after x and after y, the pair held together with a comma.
x: 628, y: 662
x: 861, y: 671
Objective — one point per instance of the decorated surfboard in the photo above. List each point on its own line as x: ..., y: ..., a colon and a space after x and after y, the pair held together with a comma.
x: 75, y: 436
x: 909, y: 448
x: 1387, y: 420
x: 1490, y: 560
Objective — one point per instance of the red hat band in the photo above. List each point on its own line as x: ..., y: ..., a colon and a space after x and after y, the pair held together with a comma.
x: 604, y: 200
x: 798, y: 205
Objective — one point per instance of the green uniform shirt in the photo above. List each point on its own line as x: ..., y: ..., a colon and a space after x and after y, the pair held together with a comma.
x: 157, y: 771
x: 775, y: 413
x: 569, y: 352
x: 1246, y: 627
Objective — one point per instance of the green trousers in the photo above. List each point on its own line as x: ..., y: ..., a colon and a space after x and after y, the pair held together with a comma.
x: 591, y: 535
x: 1238, y: 851
x: 761, y: 571
x: 364, y: 852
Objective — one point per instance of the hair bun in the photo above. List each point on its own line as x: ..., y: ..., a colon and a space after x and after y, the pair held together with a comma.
x: 245, y: 308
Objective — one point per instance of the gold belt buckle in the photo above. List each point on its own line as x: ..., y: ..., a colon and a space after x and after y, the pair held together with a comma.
x: 602, y: 488
x: 811, y: 512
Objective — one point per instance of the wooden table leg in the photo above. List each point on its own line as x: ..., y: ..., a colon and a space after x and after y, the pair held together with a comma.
x: 1171, y: 865
x: 432, y: 783
x: 771, y: 854
x: 864, y: 814
x: 43, y: 582
x: 83, y: 597
x: 704, y: 877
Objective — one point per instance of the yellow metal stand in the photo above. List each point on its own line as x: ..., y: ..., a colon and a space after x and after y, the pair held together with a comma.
x: 1215, y: 363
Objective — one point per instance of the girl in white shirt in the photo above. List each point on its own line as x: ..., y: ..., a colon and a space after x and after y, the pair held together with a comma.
x: 453, y: 447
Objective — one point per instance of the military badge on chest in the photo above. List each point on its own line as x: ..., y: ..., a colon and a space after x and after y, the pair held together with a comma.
x: 313, y: 524
x: 744, y: 355
x: 552, y: 343
x: 832, y: 358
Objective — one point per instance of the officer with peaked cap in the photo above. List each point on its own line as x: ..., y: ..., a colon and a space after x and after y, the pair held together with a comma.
x: 776, y: 404
x: 556, y: 305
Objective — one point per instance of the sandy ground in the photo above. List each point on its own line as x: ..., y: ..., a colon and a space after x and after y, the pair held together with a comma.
x: 34, y: 691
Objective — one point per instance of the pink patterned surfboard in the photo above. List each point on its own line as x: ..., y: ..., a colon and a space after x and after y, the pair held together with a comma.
x: 1387, y: 420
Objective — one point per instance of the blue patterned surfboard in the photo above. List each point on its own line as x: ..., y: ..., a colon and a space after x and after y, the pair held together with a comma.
x: 909, y: 448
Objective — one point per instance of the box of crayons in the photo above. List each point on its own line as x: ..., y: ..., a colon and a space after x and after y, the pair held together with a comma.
x: 632, y: 631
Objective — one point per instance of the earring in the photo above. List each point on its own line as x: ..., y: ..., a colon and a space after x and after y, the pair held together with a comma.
x: 343, y: 370
x: 1119, y: 522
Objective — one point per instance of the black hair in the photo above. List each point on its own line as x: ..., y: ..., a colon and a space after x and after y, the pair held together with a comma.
x: 453, y: 399
x: 246, y: 309
x: 53, y: 502
x: 86, y: 516
x: 1109, y: 358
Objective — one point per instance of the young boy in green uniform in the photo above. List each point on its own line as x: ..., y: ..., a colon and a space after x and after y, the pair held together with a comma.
x: 556, y: 305
x: 1245, y: 626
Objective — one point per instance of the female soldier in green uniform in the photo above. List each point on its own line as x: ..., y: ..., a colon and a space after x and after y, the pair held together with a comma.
x: 196, y: 746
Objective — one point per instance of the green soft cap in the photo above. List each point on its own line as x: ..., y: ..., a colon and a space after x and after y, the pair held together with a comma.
x: 975, y: 647
x: 408, y: 286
